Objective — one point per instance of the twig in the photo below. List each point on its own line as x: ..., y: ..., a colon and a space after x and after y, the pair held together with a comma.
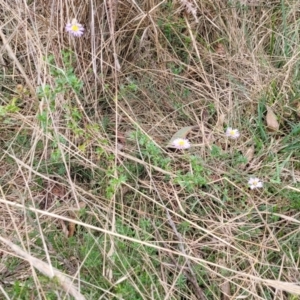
x: 188, y: 272
x: 16, y: 61
x: 44, y: 268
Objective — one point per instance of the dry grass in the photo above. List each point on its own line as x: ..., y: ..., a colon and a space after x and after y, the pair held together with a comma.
x: 89, y: 191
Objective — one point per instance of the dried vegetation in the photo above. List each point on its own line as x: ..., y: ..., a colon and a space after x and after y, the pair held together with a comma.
x: 94, y: 205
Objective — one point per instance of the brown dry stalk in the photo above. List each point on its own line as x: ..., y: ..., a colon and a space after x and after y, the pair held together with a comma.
x: 47, y: 270
x: 189, y: 273
x: 111, y: 7
x: 281, y: 285
x: 16, y: 61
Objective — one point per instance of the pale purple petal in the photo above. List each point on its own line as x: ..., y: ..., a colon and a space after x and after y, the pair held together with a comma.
x: 70, y: 29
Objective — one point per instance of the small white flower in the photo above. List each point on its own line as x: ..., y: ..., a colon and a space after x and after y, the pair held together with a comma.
x: 180, y: 143
x: 232, y: 133
x: 75, y: 28
x: 255, y: 183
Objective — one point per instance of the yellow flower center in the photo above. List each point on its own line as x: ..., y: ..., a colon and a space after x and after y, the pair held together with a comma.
x: 181, y: 143
x: 232, y: 132
x: 75, y: 28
